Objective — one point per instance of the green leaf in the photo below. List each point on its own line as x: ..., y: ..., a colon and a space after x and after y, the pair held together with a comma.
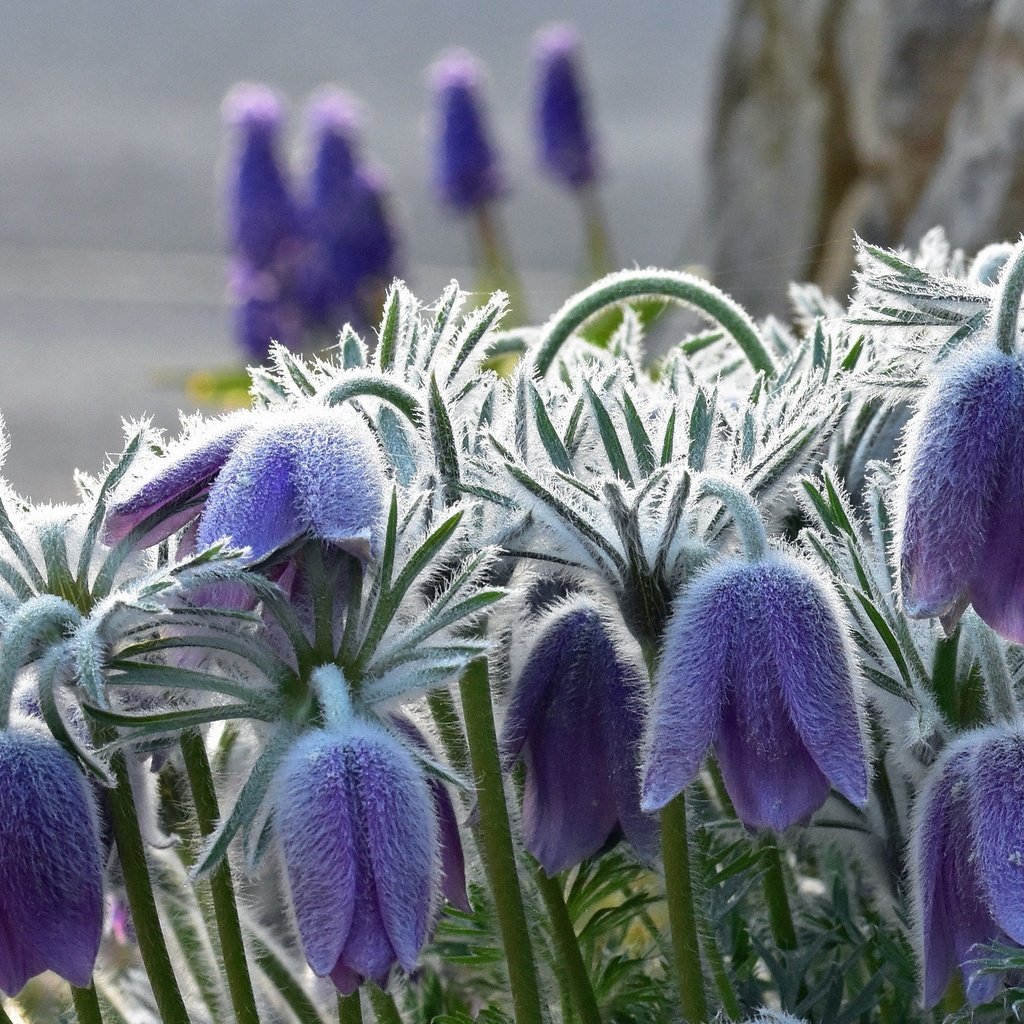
x: 446, y: 451
x: 609, y: 436
x: 643, y: 449
x: 557, y: 452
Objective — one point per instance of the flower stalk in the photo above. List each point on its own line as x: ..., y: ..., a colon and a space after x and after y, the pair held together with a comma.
x: 86, y: 1003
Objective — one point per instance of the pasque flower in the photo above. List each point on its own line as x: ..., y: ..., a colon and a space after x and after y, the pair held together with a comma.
x: 567, y: 148
x: 468, y: 171
x: 575, y: 719
x: 359, y: 843
x: 265, y: 479
x: 51, y: 878
x: 967, y: 858
x: 756, y: 662
x: 959, y: 534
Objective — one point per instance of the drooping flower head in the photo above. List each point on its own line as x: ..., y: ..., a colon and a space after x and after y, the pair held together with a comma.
x: 967, y: 859
x: 959, y: 537
x: 575, y: 719
x: 265, y: 479
x: 51, y: 876
x: 360, y: 850
x: 756, y: 662
x: 468, y: 172
x: 567, y: 147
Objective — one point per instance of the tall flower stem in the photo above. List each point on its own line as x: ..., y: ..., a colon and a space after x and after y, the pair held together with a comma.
x: 141, y: 900
x: 350, y: 1010
x: 599, y: 259
x: 682, y: 914
x: 496, y: 264
x: 87, y: 1005
x: 384, y: 1008
x: 780, y: 917
x: 1002, y: 703
x: 567, y: 948
x: 495, y: 839
x: 225, y: 908
x: 1011, y: 290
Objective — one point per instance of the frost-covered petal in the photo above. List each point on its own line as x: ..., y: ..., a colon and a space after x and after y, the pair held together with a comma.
x: 691, y: 684
x: 955, y: 455
x: 51, y: 880
x: 318, y: 833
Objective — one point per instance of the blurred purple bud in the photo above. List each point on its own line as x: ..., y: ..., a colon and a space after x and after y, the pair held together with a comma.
x: 575, y: 719
x: 51, y: 877
x: 567, y: 148
x: 757, y: 662
x: 359, y: 843
x: 467, y: 171
x: 959, y: 538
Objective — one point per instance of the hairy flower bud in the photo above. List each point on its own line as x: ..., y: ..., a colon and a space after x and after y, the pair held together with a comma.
x: 575, y: 719
x: 757, y: 662
x: 51, y: 878
x: 359, y: 843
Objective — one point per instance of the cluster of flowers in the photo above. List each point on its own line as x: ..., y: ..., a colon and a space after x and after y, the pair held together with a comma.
x: 309, y: 569
x: 303, y: 264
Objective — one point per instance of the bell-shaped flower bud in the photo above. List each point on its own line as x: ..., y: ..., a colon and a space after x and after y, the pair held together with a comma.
x: 51, y: 874
x: 575, y: 719
x: 958, y: 535
x: 468, y: 172
x: 359, y: 843
x: 757, y: 662
x: 967, y: 859
x: 267, y: 478
x: 567, y: 148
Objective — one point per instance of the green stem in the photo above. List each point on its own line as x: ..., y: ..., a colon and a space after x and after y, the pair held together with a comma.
x: 1011, y: 289
x: 779, y: 915
x: 598, y: 249
x: 744, y: 511
x: 350, y: 1011
x: 494, y: 836
x: 283, y: 979
x: 682, y: 916
x: 684, y: 288
x: 446, y: 718
x: 225, y: 909
x: 1002, y: 703
x: 87, y: 1005
x: 498, y: 269
x: 4, y: 1015
x: 567, y: 948
x: 384, y: 1008
x: 713, y: 955
x: 132, y: 854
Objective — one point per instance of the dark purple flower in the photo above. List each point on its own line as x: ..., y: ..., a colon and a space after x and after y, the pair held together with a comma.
x: 360, y: 848
x: 567, y: 147
x: 468, y: 172
x: 265, y: 479
x: 967, y: 859
x: 575, y: 719
x: 959, y: 534
x: 51, y: 876
x: 757, y: 662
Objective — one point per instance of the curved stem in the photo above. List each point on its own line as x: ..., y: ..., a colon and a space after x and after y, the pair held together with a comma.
x: 87, y: 1005
x: 225, y: 908
x: 780, y: 917
x: 744, y: 511
x: 1011, y: 289
x: 682, y: 915
x: 1002, y: 702
x: 350, y: 1010
x: 494, y: 836
x: 567, y: 948
x: 683, y: 288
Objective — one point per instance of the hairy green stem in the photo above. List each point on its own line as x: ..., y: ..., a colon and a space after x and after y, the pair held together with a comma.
x: 225, y: 908
x: 383, y: 1003
x: 744, y: 511
x: 1002, y: 702
x: 720, y: 975
x: 494, y: 836
x: 446, y: 718
x: 780, y: 917
x: 141, y: 900
x: 567, y: 948
x: 87, y: 1005
x: 350, y: 1010
x: 682, y: 915
x: 686, y: 289
x: 1011, y: 290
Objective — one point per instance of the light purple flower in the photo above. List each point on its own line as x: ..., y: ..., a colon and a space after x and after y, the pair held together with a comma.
x: 265, y: 479
x: 756, y: 661
x: 959, y: 535
x: 575, y: 719
x: 359, y: 843
x: 51, y: 877
x: 967, y: 859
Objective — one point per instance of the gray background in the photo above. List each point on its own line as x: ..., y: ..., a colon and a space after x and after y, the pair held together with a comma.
x: 111, y: 233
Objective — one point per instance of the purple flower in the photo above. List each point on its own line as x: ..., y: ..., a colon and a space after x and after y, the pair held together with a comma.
x: 468, y: 171
x: 967, y: 858
x: 265, y: 310
x: 567, y: 148
x: 756, y: 661
x: 51, y: 876
x: 265, y: 479
x: 360, y: 849
x: 575, y: 719
x: 959, y: 535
